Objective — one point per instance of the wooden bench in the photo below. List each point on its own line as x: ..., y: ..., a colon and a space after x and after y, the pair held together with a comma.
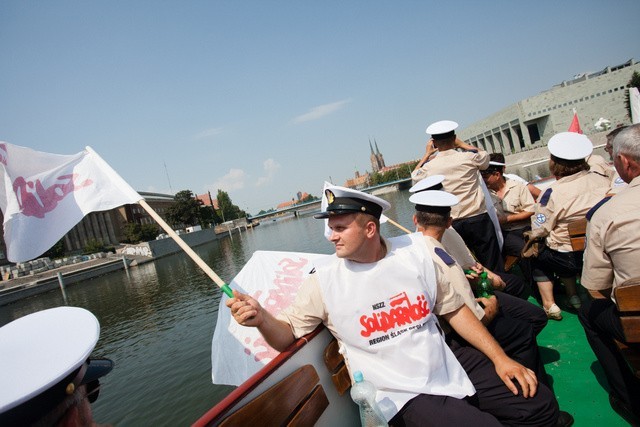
x: 297, y: 400
x: 578, y: 234
x: 337, y: 367
x: 628, y: 302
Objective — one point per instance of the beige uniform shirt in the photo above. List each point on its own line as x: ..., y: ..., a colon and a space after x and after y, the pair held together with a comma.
x: 455, y: 274
x: 566, y: 200
x: 612, y: 254
x: 517, y: 198
x: 600, y: 166
x: 309, y: 309
x: 461, y: 179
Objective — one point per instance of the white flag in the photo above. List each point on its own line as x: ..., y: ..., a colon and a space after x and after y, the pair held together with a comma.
x: 634, y: 101
x: 272, y: 278
x: 45, y: 195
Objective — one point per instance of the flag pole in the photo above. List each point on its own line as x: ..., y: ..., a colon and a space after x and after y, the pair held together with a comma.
x: 398, y: 225
x: 120, y: 182
x: 194, y: 256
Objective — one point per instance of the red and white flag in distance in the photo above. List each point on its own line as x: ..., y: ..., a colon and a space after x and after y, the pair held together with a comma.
x: 45, y: 195
x: 575, y: 124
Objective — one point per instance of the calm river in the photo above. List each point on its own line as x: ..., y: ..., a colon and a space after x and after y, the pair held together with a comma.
x: 157, y: 320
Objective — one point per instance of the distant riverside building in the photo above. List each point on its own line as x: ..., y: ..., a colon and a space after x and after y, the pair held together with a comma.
x: 107, y: 226
x: 530, y: 123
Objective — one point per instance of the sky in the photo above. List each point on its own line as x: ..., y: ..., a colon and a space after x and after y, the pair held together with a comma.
x: 263, y: 99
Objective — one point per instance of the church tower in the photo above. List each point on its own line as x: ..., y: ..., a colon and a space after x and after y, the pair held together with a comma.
x: 377, y: 160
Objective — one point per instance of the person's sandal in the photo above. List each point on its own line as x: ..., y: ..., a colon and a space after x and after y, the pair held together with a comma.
x: 553, y: 312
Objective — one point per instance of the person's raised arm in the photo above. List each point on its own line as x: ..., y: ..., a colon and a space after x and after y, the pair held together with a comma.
x: 469, y: 327
x: 248, y: 312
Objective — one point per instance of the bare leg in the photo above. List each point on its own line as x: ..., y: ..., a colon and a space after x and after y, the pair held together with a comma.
x: 546, y: 293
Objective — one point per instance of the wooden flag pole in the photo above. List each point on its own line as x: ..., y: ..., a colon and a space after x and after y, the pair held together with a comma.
x: 194, y: 256
x: 398, y: 225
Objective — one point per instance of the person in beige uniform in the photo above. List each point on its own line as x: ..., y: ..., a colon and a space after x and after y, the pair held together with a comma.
x: 611, y: 257
x: 514, y: 206
x: 575, y: 191
x: 513, y: 322
x: 401, y: 357
x: 460, y: 168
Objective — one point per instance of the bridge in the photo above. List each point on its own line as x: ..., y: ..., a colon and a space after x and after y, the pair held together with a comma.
x: 399, y: 184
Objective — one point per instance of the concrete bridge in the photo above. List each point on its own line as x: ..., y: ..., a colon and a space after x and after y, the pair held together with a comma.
x: 399, y: 184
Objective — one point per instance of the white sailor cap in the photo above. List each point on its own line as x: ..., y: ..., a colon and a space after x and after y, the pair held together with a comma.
x: 433, y: 201
x: 433, y: 182
x: 343, y: 200
x: 45, y: 358
x: 570, y: 146
x: 442, y: 129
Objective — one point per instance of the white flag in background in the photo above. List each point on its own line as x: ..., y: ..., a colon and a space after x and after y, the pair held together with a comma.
x: 634, y: 101
x: 272, y: 278
x: 45, y: 195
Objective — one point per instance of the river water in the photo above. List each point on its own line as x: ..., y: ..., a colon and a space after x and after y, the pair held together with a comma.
x: 157, y: 320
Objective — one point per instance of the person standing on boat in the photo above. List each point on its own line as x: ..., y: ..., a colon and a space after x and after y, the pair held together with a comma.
x: 611, y: 257
x: 568, y: 199
x: 516, y: 335
x: 46, y: 376
x: 514, y: 206
x: 460, y: 168
x: 380, y: 299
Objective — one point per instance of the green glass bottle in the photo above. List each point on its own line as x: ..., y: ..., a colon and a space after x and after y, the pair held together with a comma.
x: 484, y: 288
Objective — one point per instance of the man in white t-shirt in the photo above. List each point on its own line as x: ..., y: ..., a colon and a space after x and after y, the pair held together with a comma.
x: 380, y: 299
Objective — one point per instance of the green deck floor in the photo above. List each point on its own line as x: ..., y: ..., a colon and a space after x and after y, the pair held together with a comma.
x: 578, y: 381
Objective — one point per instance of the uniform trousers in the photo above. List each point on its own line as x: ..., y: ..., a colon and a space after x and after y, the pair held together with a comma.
x: 514, y: 285
x: 563, y: 264
x: 479, y: 235
x: 601, y: 322
x: 492, y: 405
x: 513, y: 244
x: 515, y: 327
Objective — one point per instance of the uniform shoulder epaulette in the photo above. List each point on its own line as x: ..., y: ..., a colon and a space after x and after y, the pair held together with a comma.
x: 545, y: 197
x: 596, y: 207
x: 444, y: 256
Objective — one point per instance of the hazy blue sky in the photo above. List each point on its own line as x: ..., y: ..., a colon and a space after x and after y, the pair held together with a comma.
x: 266, y: 98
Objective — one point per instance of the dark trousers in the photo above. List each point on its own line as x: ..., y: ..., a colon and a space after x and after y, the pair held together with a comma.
x: 564, y: 264
x: 516, y: 327
x: 514, y: 285
x: 492, y: 405
x: 601, y: 322
x: 480, y: 236
x: 513, y: 244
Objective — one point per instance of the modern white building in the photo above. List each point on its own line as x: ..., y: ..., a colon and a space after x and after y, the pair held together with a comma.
x: 530, y: 123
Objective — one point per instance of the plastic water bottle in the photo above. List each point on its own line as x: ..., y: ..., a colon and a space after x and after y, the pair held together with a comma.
x: 484, y: 288
x: 364, y: 394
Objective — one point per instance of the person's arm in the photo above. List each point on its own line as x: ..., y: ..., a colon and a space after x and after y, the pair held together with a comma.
x: 490, y: 306
x: 520, y: 216
x: 429, y: 152
x: 468, y: 147
x: 248, y: 312
x: 469, y: 327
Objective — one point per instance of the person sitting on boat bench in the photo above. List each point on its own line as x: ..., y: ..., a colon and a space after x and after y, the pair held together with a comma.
x: 47, y: 376
x: 380, y: 299
x: 610, y: 258
x: 515, y: 333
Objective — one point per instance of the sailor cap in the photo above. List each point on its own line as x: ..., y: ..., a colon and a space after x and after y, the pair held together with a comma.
x: 45, y: 357
x: 342, y: 200
x: 442, y: 129
x: 433, y: 182
x: 570, y: 146
x: 433, y: 200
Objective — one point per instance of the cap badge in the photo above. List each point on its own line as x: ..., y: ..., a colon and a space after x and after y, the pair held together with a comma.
x: 330, y: 197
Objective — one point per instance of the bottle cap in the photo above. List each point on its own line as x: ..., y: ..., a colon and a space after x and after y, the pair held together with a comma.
x: 357, y: 376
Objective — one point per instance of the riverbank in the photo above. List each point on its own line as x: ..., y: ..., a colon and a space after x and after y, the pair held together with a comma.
x: 26, y: 286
